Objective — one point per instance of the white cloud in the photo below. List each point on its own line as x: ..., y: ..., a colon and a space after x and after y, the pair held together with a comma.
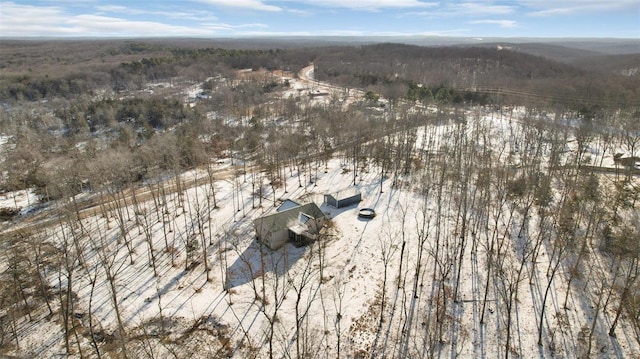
x: 371, y: 4
x: 11, y: 9
x: 481, y: 9
x: 502, y: 23
x: 111, y: 26
x: 300, y: 12
x: 566, y: 7
x: 243, y: 4
x: 183, y: 15
x: 228, y: 27
x: 554, y: 12
x: 468, y: 9
x: 113, y: 8
x: 26, y: 20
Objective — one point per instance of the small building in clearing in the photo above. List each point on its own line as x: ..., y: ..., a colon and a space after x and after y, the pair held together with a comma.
x: 299, y: 224
x: 344, y: 198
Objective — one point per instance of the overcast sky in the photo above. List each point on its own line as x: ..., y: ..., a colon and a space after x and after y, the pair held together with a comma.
x: 242, y: 18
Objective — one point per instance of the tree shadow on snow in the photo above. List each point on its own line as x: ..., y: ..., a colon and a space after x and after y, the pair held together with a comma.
x: 258, y: 260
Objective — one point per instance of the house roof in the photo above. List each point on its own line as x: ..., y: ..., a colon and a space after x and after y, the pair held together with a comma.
x: 287, y: 204
x: 287, y: 218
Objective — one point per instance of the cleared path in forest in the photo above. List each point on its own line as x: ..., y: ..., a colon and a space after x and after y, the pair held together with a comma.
x: 92, y: 206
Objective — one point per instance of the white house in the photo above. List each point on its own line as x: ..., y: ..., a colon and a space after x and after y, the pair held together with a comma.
x: 298, y: 224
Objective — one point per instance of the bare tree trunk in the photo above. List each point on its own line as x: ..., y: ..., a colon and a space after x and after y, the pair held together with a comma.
x: 595, y: 317
x: 632, y: 276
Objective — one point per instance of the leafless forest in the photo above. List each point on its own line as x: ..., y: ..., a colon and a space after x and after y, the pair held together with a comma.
x: 507, y: 184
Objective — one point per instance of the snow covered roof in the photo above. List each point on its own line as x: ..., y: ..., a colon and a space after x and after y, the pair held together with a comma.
x: 287, y: 204
x: 345, y: 193
x: 288, y: 218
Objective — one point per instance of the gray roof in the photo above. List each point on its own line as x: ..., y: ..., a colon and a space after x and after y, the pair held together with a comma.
x: 281, y: 220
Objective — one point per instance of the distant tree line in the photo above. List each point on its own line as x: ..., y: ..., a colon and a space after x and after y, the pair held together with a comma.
x: 397, y: 69
x: 162, y: 65
x: 36, y: 87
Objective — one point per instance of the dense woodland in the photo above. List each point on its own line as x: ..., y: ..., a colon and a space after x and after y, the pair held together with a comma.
x: 392, y: 68
x: 81, y: 96
x: 87, y: 122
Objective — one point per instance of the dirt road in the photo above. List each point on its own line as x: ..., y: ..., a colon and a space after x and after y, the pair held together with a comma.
x: 92, y: 206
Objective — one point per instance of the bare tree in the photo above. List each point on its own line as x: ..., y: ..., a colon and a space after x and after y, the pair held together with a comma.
x: 301, y: 283
x: 68, y: 260
x: 112, y: 264
x: 275, y: 287
x: 338, y: 299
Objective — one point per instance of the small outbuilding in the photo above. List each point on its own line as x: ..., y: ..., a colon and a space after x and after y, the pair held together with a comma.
x: 344, y: 198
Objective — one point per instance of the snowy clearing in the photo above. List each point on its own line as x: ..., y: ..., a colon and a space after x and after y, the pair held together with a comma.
x: 448, y: 267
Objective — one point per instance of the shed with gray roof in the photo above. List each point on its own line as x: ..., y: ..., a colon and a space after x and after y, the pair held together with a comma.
x: 344, y: 198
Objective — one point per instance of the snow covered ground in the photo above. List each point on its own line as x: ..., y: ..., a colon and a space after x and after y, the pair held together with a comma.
x: 369, y: 287
x: 23, y: 199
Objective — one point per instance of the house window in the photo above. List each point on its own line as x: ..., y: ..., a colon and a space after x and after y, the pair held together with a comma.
x: 304, y: 218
